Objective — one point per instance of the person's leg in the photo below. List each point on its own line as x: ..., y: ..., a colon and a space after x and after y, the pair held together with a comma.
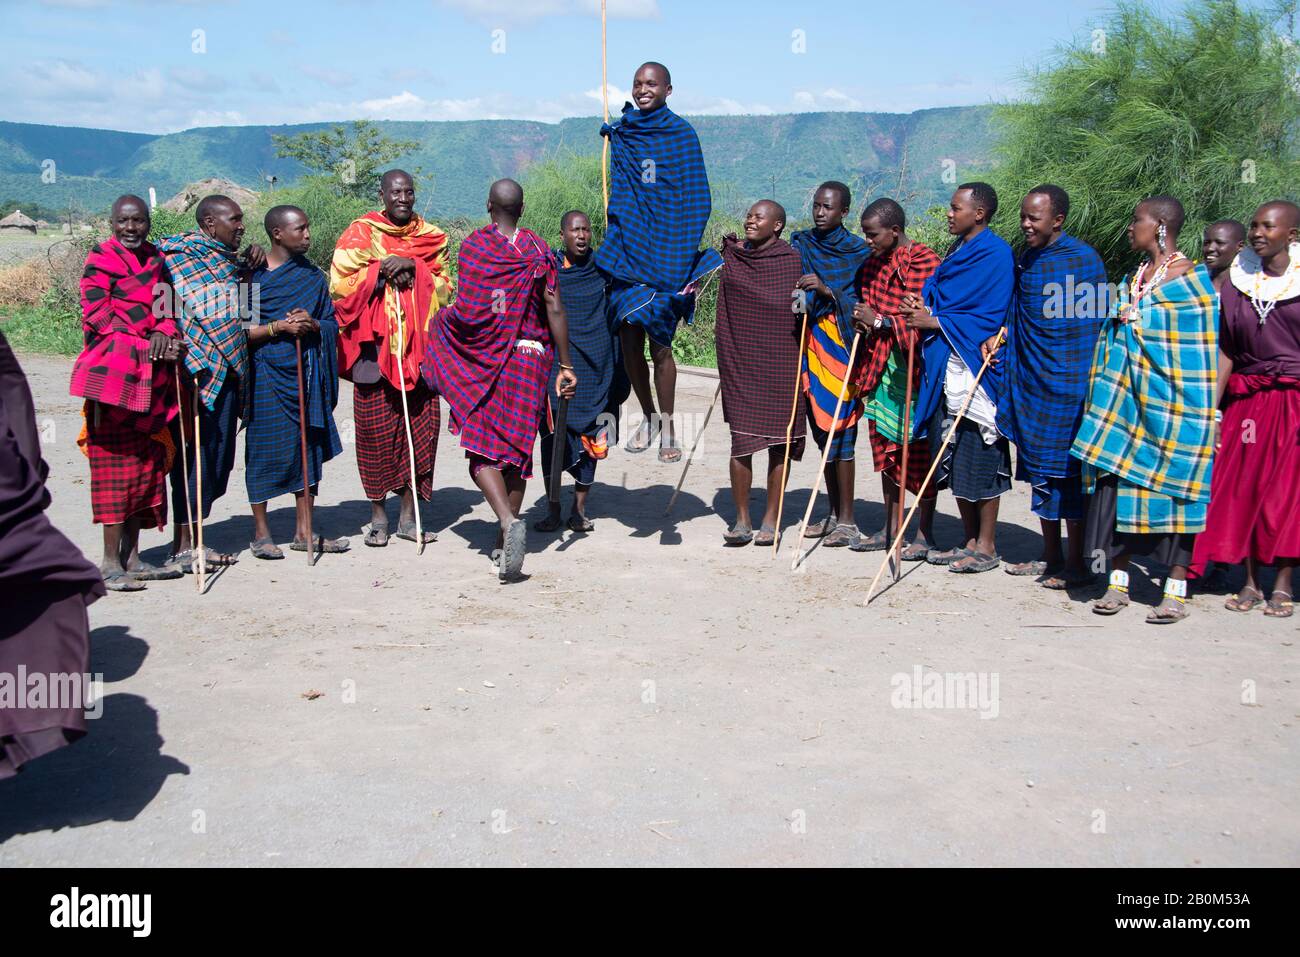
x: 493, y: 486
x: 632, y: 339
x: 1053, y: 554
x: 775, y: 479
x: 131, y: 544
x: 925, y: 521
x: 112, y: 562
x: 1280, y: 602
x: 988, y: 513
x: 970, y: 522
x: 889, y: 490
x: 1074, y: 553
x: 742, y: 482
x: 406, y: 516
x: 378, y: 516
x: 580, y: 493
x: 261, y: 529
x: 666, y: 390
x: 302, y: 509
x: 844, y: 470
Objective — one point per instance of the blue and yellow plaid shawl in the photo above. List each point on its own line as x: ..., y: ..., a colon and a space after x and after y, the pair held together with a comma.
x: 1061, y: 297
x: 659, y: 204
x: 1150, y: 414
x: 205, y: 277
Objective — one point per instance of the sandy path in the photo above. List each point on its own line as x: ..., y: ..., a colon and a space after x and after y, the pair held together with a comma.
x: 645, y: 697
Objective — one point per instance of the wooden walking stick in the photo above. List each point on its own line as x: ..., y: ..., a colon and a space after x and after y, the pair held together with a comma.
x: 826, y: 452
x: 559, y: 443
x: 604, y: 96
x: 935, y: 464
x: 185, y: 464
x: 907, y: 441
x: 694, y: 445
x: 201, y: 567
x: 789, y: 433
x: 302, y: 435
x: 406, y: 419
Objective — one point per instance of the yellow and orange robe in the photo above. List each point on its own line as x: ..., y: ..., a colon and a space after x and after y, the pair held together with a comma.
x: 368, y: 328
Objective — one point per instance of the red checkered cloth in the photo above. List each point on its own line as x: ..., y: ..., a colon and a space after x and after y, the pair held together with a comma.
x: 757, y: 337
x: 489, y: 353
x: 887, y: 458
x: 123, y: 302
x: 882, y: 284
x: 128, y: 469
x: 382, y: 456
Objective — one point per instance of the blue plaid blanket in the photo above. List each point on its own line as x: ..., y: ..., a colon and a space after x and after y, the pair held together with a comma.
x: 659, y: 204
x: 970, y: 294
x: 836, y: 258
x: 1149, y: 418
x: 1060, y: 300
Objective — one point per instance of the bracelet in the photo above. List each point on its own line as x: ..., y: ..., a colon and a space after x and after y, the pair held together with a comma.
x: 563, y: 366
x: 271, y: 325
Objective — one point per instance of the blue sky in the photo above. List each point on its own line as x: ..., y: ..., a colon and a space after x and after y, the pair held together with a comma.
x: 133, y: 64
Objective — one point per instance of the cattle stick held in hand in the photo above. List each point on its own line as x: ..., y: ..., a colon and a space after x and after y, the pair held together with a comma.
x: 406, y: 419
x: 201, y: 567
x: 935, y: 464
x: 694, y: 445
x: 302, y: 435
x: 907, y: 441
x: 559, y: 445
x: 789, y: 433
x: 826, y: 452
x: 604, y: 96
x: 185, y: 464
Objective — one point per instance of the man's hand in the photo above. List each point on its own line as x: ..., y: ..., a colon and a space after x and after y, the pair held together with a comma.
x: 254, y: 257
x: 399, y: 271
x: 297, y: 323
x: 163, y: 348
x: 864, y: 319
x: 566, y: 384
x: 990, y: 346
x: 915, y: 316
x: 811, y: 282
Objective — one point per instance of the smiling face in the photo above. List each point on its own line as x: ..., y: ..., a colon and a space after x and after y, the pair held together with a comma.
x: 650, y: 88
x: 964, y: 214
x: 293, y: 233
x: 1219, y: 245
x: 828, y: 209
x: 1037, y: 221
x: 397, y: 193
x: 576, y: 236
x: 130, y: 222
x: 881, y: 238
x: 1272, y: 230
x: 225, y: 223
x: 763, y: 223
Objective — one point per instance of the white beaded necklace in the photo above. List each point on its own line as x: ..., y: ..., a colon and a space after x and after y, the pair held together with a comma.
x: 1265, y: 291
x: 1137, y: 289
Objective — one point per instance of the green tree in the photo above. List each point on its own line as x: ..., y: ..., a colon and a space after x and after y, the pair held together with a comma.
x: 351, y: 156
x: 1202, y: 104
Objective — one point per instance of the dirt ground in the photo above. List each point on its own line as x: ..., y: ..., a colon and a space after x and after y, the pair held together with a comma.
x: 647, y: 697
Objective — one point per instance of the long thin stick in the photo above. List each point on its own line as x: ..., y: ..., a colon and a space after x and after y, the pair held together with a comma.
x: 934, y: 466
x: 907, y: 441
x: 185, y: 463
x: 826, y: 452
x: 302, y: 435
x: 604, y: 96
x: 200, y: 578
x: 789, y: 433
x: 559, y: 445
x: 406, y: 419
x: 694, y: 445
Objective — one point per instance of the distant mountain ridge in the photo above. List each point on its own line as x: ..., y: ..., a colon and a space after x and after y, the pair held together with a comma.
x: 748, y: 157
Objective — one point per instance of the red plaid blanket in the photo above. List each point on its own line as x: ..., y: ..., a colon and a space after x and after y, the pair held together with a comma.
x: 882, y: 283
x: 124, y: 301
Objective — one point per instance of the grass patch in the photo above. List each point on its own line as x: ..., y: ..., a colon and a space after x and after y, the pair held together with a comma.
x: 42, y: 329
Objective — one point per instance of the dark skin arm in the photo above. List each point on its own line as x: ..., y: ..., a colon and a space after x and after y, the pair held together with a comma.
x: 254, y: 257
x: 296, y: 323
x: 916, y: 316
x: 163, y: 348
x: 398, y: 270
x: 566, y: 383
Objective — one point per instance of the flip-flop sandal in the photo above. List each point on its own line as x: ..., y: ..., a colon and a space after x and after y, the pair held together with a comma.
x: 407, y: 534
x: 121, y: 581
x: 551, y: 523
x: 186, y: 561
x: 376, y: 536
x: 765, y: 537
x: 820, y: 528
x: 325, y: 546
x: 633, y: 447
x: 736, y: 536
x: 973, y: 563
x: 152, y: 573
x: 670, y: 454
x: 872, y: 543
x: 916, y: 552
x: 1279, y: 609
x: 580, y: 524
x: 1032, y: 569
x: 1064, y: 581
x: 935, y: 556
x: 1167, y: 615
x: 265, y: 548
x: 844, y: 536
x: 1111, y: 603
x: 513, y: 551
x: 1241, y: 605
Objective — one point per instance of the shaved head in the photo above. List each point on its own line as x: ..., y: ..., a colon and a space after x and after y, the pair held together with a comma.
x: 1167, y: 208
x: 1287, y: 210
x: 278, y: 216
x: 773, y: 207
x: 662, y: 70
x: 387, y: 179
x: 213, y: 205
x: 130, y: 199
x: 507, y: 196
